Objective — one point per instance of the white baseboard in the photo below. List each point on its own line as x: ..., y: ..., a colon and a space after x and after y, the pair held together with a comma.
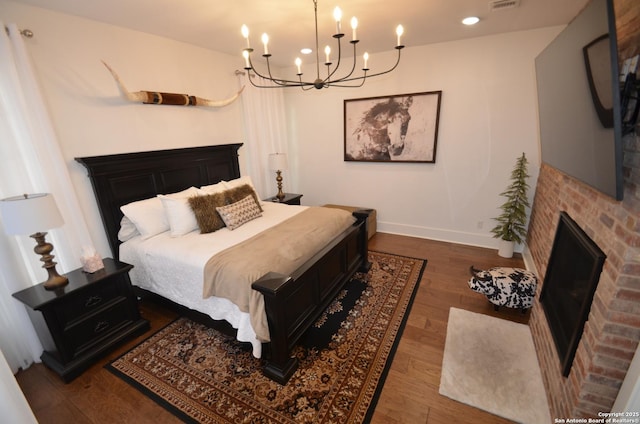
x: 451, y: 236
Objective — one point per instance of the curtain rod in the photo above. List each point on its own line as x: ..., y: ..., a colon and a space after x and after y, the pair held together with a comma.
x: 24, y: 32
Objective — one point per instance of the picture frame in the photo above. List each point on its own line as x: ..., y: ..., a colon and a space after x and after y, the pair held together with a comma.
x: 396, y: 128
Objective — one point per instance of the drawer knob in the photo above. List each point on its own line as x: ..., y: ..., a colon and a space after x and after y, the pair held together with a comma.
x: 101, y: 326
x: 92, y: 301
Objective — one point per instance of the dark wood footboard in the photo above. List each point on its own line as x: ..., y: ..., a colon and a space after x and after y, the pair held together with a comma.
x: 293, y: 303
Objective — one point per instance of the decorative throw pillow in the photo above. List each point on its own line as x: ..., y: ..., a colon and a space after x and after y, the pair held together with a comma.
x: 204, y: 209
x: 239, y: 213
x: 240, y: 192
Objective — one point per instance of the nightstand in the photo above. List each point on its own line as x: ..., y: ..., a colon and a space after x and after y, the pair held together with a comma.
x: 289, y: 199
x: 87, y: 317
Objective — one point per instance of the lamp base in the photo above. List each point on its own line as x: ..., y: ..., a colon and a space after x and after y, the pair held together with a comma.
x: 280, y: 194
x: 43, y: 248
x: 54, y: 283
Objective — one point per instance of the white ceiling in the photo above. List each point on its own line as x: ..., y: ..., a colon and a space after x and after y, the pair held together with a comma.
x: 290, y: 23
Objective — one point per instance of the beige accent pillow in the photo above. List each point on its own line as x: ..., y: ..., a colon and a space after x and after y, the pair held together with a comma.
x: 240, y: 192
x: 239, y: 213
x: 204, y: 208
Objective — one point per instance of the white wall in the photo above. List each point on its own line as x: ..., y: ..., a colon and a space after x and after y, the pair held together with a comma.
x: 89, y: 116
x: 488, y: 117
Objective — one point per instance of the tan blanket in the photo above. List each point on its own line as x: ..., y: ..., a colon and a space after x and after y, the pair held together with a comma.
x: 282, y: 249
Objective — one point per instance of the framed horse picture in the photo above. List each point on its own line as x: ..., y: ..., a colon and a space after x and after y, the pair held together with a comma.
x: 399, y: 128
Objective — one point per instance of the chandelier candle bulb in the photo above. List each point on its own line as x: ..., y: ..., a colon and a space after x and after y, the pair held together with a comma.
x: 327, y: 52
x: 354, y: 25
x: 265, y: 41
x: 399, y: 32
x: 298, y: 63
x: 365, y: 56
x: 245, y: 34
x: 337, y: 15
x: 245, y: 54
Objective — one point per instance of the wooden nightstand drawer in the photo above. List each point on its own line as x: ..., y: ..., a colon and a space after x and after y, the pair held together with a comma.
x: 83, y: 334
x: 86, y: 301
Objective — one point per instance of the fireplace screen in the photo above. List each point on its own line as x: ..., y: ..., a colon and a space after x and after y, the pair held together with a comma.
x: 569, y: 285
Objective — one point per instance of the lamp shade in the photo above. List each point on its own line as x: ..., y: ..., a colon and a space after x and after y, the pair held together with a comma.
x: 278, y: 162
x: 30, y: 214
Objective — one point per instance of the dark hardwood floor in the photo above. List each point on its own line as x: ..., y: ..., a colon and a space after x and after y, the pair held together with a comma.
x: 410, y: 392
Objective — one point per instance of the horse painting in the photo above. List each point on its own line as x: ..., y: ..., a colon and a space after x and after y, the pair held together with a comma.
x: 398, y: 128
x: 381, y: 132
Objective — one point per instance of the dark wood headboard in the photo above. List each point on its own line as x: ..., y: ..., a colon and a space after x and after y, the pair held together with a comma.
x: 124, y: 178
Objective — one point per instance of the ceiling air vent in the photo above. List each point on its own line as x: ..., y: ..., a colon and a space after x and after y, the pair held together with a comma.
x: 503, y: 4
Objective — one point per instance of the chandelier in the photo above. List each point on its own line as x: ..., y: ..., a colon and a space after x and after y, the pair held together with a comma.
x: 328, y: 80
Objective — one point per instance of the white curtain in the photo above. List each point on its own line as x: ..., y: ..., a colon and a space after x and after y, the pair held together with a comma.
x: 32, y: 162
x: 266, y: 132
x: 14, y: 406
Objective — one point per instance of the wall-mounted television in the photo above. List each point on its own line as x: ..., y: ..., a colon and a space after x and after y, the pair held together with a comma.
x: 579, y: 100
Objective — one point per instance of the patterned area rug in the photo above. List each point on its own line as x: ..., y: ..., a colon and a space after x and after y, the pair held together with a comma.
x: 203, y: 376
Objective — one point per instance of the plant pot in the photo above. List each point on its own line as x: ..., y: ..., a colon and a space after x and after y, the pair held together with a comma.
x: 505, y: 248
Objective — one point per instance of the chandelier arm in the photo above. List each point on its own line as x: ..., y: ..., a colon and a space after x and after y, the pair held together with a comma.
x: 303, y: 85
x: 259, y: 85
x: 337, y: 64
x: 289, y: 84
x: 353, y: 67
x: 279, y: 81
x: 379, y: 73
x: 338, y: 83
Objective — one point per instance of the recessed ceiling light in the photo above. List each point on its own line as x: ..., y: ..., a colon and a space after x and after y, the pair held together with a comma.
x: 306, y: 50
x: 471, y: 20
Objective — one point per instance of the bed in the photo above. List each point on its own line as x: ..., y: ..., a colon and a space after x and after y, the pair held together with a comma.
x: 292, y: 302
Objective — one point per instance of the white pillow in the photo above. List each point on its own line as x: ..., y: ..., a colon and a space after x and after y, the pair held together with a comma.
x: 127, y: 230
x: 212, y: 189
x: 238, y: 182
x: 148, y: 216
x: 178, y: 212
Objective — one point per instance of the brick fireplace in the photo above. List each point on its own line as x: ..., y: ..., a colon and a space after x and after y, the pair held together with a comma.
x: 612, y: 332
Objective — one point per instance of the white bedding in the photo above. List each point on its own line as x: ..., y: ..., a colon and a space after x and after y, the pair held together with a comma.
x: 173, y: 266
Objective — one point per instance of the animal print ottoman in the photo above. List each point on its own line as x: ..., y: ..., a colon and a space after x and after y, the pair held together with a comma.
x: 510, y: 287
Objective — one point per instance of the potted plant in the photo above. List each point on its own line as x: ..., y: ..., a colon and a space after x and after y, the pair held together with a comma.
x: 510, y: 228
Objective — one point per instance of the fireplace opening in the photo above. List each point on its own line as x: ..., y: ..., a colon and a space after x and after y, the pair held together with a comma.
x: 570, y: 282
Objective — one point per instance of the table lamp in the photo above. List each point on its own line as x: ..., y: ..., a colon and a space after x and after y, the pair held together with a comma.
x: 28, y: 214
x: 278, y: 163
